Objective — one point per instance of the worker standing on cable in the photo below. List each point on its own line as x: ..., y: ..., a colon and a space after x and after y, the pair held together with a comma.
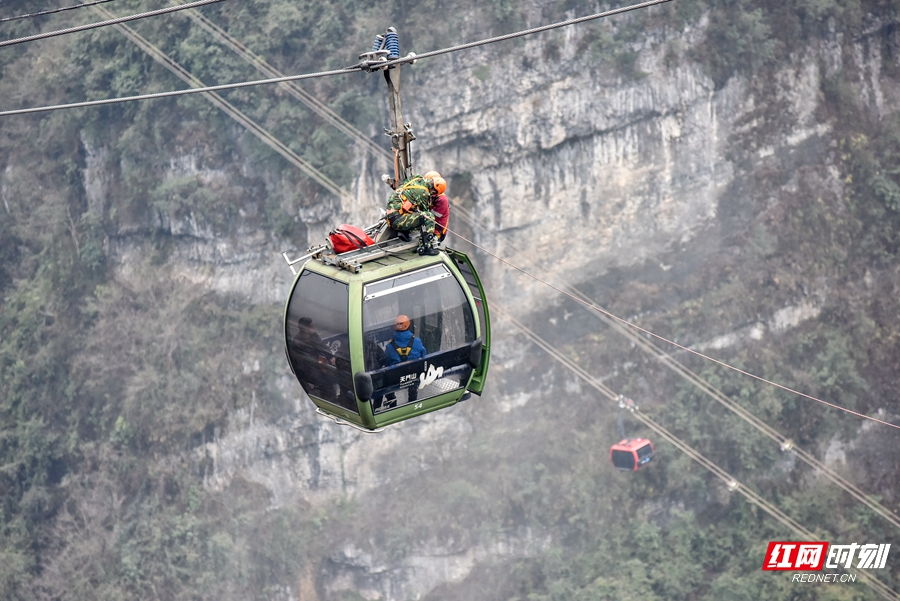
x: 440, y: 204
x: 409, y: 207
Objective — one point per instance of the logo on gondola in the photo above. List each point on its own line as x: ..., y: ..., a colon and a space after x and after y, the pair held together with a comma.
x: 430, y: 375
x: 334, y: 346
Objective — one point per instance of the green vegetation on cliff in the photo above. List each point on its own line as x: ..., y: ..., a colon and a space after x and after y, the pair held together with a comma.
x: 107, y: 387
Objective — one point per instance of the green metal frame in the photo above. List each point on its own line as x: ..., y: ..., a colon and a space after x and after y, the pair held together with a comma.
x: 479, y: 377
x: 372, y: 272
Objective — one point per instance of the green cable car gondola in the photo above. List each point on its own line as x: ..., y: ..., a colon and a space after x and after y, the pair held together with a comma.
x: 381, y: 334
x: 340, y: 328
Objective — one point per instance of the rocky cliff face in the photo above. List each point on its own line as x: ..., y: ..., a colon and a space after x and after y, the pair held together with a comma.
x: 572, y: 171
x: 585, y: 169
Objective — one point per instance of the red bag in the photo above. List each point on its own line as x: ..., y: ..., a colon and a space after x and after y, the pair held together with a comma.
x: 349, y: 237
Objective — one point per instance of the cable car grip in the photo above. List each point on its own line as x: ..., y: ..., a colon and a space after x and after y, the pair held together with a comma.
x: 373, y: 61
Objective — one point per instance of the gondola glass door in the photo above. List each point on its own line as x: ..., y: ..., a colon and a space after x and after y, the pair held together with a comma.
x: 317, y: 340
x: 439, y: 315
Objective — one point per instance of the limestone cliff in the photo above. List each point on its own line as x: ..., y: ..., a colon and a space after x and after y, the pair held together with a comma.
x: 745, y: 210
x: 573, y: 170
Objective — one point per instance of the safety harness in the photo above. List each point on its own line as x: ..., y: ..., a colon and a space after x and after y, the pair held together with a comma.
x: 407, y: 206
x: 403, y: 351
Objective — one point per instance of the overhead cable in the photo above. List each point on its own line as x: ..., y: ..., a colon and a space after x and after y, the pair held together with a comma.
x: 55, y: 10
x: 351, y: 69
x: 645, y: 345
x: 784, y: 443
x: 228, y: 86
x: 314, y: 104
x: 730, y: 482
x: 673, y: 343
x: 231, y: 110
x: 152, y: 13
x: 518, y: 34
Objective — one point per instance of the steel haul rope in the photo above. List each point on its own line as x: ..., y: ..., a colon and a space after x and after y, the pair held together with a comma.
x: 666, y: 340
x: 351, y: 69
x: 152, y: 13
x: 231, y: 86
x: 532, y: 31
x: 55, y: 10
x: 784, y: 443
x: 230, y: 109
x: 732, y: 483
x: 317, y: 106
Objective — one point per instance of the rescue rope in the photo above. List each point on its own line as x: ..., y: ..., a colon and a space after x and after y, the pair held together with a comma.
x: 152, y: 13
x: 785, y: 444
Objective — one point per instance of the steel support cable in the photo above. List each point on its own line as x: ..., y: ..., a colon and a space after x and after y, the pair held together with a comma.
x: 666, y: 340
x: 55, y: 10
x: 720, y: 473
x: 717, y: 395
x: 601, y: 311
x: 68, y: 30
x: 230, y: 110
x: 351, y: 69
x: 532, y: 31
x: 316, y: 105
x: 227, y: 86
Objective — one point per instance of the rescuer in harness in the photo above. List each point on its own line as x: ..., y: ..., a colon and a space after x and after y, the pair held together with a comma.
x: 409, y: 207
x: 440, y: 204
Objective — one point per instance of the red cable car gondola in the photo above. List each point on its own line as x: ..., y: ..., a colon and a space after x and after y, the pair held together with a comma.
x: 629, y: 454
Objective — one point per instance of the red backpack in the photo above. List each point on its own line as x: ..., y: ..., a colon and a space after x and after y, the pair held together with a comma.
x: 349, y: 237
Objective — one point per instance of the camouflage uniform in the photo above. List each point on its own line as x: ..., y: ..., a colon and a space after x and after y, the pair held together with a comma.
x: 415, y: 190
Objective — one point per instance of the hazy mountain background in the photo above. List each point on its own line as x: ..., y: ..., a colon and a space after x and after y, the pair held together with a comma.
x: 724, y: 173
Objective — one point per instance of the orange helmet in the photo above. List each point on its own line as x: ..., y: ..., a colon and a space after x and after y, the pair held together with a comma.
x: 401, y: 324
x: 431, y: 175
x: 438, y: 183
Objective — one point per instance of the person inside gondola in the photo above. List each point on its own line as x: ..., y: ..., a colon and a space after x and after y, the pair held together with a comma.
x: 440, y: 204
x: 313, y: 357
x: 307, y: 341
x: 409, y: 208
x: 403, y: 346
